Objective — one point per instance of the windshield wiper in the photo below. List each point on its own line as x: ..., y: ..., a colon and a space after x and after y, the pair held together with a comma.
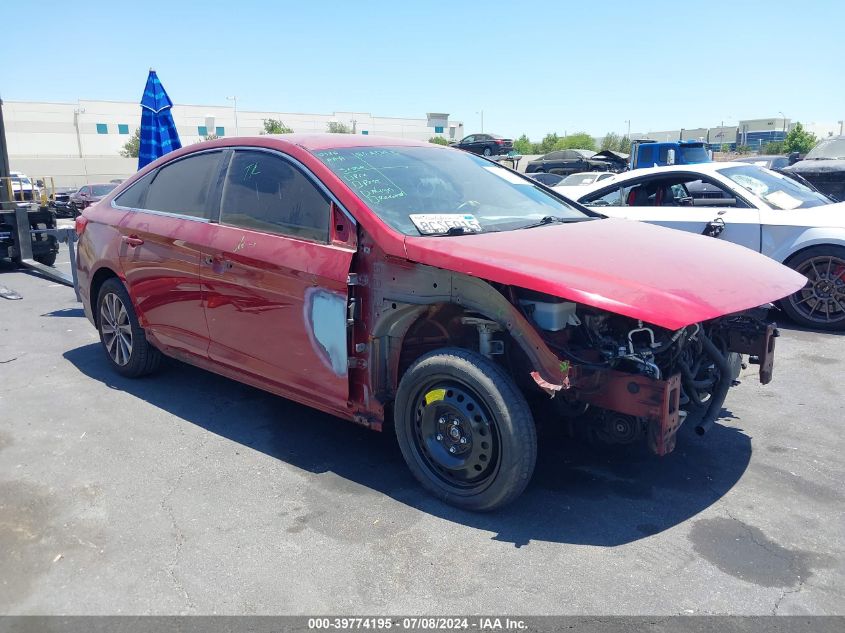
x: 554, y: 219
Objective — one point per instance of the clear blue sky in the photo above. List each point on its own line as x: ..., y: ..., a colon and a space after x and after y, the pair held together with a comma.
x: 533, y: 67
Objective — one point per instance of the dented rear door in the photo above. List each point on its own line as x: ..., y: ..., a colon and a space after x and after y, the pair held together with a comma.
x: 275, y: 286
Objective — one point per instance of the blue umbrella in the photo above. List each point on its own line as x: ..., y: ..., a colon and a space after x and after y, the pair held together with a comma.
x: 158, y: 131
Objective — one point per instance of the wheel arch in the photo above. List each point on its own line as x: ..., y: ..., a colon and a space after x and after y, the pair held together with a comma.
x: 97, y: 280
x: 810, y: 237
x: 457, y: 294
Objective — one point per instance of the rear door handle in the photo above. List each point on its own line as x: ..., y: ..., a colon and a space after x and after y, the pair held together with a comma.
x: 132, y: 240
x: 219, y: 264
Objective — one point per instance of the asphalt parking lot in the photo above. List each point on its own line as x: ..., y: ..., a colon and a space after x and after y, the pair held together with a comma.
x: 189, y: 493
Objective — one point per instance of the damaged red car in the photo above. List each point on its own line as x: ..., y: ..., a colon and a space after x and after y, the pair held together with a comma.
x: 386, y: 280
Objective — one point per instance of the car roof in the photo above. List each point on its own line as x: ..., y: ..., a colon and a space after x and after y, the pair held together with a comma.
x: 704, y: 168
x: 696, y: 168
x: 315, y: 142
x: 750, y: 159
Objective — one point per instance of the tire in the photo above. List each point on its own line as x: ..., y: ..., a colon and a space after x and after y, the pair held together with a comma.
x: 488, y: 151
x: 820, y: 304
x: 132, y: 358
x: 451, y: 395
x: 48, y: 259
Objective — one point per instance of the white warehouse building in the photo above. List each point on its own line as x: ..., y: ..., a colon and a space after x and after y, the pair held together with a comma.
x: 78, y: 143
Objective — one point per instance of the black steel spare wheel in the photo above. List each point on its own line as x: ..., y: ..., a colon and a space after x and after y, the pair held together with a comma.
x: 465, y: 429
x: 821, y: 303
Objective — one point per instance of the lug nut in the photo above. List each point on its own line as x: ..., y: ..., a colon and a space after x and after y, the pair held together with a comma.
x: 452, y: 449
x: 442, y: 421
x: 455, y: 423
x: 463, y: 440
x: 439, y: 437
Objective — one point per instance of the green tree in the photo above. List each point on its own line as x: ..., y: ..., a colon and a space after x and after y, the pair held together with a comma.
x: 523, y: 145
x: 775, y: 147
x: 724, y: 148
x: 438, y: 140
x: 579, y: 140
x: 275, y: 126
x: 743, y: 149
x: 610, y: 141
x: 799, y: 140
x: 334, y: 127
x: 549, y: 143
x: 616, y: 143
x: 132, y: 146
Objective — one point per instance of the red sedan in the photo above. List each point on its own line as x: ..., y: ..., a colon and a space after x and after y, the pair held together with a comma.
x: 390, y: 280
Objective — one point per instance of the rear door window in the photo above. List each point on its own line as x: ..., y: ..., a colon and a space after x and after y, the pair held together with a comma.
x: 133, y: 197
x: 266, y: 193
x: 184, y: 186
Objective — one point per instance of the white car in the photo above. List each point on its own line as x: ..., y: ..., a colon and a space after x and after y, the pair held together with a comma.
x: 23, y: 190
x: 746, y: 205
x: 574, y: 184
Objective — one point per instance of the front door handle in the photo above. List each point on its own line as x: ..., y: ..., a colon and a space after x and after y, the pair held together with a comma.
x: 132, y: 240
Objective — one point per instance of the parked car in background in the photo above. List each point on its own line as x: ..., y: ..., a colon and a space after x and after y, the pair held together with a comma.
x: 769, y: 161
x: 59, y: 201
x: 372, y: 277
x: 616, y: 161
x: 23, y: 189
x: 824, y: 166
x: 585, y: 178
x: 566, y: 161
x: 550, y: 180
x: 87, y: 195
x: 750, y: 206
x: 485, y: 144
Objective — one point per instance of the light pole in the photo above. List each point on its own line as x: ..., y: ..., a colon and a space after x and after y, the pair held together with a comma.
x: 235, y: 100
x: 482, y: 119
x: 783, y: 121
x: 628, y: 135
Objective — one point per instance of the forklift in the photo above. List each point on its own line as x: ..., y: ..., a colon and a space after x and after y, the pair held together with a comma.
x: 29, y: 235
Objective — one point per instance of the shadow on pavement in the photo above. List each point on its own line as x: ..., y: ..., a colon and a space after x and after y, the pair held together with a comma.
x: 578, y: 494
x: 65, y: 312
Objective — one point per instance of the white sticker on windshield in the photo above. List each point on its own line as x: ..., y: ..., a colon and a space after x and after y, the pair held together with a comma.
x: 440, y: 223
x: 506, y: 174
x: 782, y: 200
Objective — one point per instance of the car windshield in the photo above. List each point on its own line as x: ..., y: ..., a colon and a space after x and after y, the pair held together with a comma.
x: 400, y: 182
x: 579, y: 179
x: 694, y: 154
x: 830, y: 149
x: 102, y: 190
x: 22, y: 180
x: 778, y: 191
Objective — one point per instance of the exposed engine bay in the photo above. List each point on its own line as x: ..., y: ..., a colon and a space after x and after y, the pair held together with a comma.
x: 630, y: 380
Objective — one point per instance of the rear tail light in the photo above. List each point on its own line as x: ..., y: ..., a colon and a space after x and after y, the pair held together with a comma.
x: 499, y: 141
x: 81, y: 223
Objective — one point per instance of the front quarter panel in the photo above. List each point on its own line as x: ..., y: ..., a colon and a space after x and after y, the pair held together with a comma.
x: 780, y: 242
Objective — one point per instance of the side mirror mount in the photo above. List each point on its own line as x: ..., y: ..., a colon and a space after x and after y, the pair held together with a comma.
x: 343, y: 229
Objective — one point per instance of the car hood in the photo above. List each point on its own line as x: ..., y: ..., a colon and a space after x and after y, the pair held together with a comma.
x: 659, y: 275
x: 829, y: 216
x: 818, y: 166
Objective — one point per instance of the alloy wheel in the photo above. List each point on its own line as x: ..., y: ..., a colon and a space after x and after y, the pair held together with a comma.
x: 116, y: 328
x: 822, y: 300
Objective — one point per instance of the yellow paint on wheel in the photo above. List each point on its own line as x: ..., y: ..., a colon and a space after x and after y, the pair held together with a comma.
x: 434, y: 395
